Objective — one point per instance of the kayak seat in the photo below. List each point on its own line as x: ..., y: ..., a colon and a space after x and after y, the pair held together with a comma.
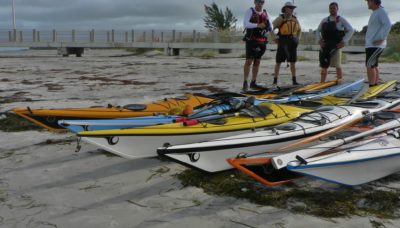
x: 135, y: 107
x: 324, y: 108
x: 286, y: 127
x: 348, y: 95
x: 307, y: 104
x: 342, y: 135
x: 365, y: 104
x: 307, y: 92
x: 386, y: 115
x: 391, y: 94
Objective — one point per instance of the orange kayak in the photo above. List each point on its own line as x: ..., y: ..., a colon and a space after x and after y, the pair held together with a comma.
x: 48, y: 118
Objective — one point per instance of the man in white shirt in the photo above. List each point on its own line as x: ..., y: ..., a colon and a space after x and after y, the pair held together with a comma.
x: 257, y: 24
x: 378, y: 30
x: 333, y: 33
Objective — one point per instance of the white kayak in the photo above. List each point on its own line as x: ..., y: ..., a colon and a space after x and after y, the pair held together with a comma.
x: 210, y: 156
x: 143, y: 142
x: 371, y: 161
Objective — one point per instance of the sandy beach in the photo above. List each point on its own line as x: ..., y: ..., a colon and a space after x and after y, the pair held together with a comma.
x: 45, y: 183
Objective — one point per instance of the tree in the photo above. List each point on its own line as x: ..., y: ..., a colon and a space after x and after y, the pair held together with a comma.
x: 216, y: 20
x: 395, y: 28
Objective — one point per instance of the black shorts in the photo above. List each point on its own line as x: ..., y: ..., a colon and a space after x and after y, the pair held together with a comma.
x: 287, y: 50
x: 326, y: 53
x: 254, y: 49
x: 372, y: 56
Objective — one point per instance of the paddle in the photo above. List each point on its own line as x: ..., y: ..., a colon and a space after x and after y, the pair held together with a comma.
x: 282, y: 160
x: 360, y: 93
x: 323, y: 134
x: 253, y: 111
x: 233, y: 103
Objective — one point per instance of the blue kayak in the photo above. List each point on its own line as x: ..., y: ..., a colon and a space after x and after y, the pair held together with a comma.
x: 207, y: 111
x: 347, y: 87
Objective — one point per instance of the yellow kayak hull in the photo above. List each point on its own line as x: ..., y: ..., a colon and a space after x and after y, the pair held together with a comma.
x: 280, y: 113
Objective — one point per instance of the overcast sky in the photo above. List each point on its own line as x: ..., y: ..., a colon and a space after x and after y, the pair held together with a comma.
x: 166, y: 14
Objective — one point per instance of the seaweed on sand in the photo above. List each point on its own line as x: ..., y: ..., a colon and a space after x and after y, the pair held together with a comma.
x: 328, y: 203
x: 11, y: 123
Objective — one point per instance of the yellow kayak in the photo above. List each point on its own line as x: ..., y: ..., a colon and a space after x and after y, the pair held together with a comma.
x: 143, y: 142
x: 370, y: 93
x: 306, y: 88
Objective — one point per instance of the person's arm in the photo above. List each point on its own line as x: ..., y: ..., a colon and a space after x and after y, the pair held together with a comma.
x: 298, y: 31
x: 276, y: 24
x: 318, y: 34
x: 384, y: 29
x: 246, y: 20
x: 348, y: 29
x: 318, y: 31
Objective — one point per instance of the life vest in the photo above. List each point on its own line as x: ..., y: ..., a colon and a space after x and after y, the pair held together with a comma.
x: 329, y: 31
x: 289, y: 27
x: 258, y: 34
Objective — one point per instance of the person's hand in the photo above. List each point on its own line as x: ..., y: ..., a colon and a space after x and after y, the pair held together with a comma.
x: 378, y: 42
x: 340, y: 45
x: 262, y: 26
x: 321, y: 43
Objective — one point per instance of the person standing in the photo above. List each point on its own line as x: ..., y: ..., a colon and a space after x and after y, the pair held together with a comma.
x: 333, y: 33
x: 289, y: 32
x: 257, y: 25
x: 379, y: 25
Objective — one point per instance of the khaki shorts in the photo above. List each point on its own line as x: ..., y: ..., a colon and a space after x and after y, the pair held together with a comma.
x: 336, y: 59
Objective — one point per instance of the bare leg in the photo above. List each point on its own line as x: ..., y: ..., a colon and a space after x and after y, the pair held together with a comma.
x: 339, y: 74
x: 246, y: 69
x: 256, y: 66
x: 324, y: 73
x: 277, y: 68
x: 376, y: 75
x: 371, y: 73
x: 293, y: 68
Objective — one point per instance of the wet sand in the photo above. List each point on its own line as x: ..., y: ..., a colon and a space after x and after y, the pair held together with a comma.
x: 45, y: 183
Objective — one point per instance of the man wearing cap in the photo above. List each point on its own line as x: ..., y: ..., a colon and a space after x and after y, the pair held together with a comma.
x: 257, y: 25
x: 378, y: 30
x: 333, y: 33
x: 289, y: 32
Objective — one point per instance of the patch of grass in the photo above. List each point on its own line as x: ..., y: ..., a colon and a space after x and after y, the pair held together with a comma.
x: 391, y: 53
x: 340, y: 202
x: 13, y: 123
x: 344, y: 57
x: 242, y: 56
x: 308, y: 48
x: 140, y: 51
x: 208, y: 55
x: 302, y: 58
x: 201, y: 53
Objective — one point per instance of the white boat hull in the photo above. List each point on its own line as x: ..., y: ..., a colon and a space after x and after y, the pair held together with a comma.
x: 210, y: 156
x: 359, y: 165
x: 133, y: 147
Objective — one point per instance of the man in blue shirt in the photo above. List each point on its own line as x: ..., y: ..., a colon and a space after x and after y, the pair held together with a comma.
x: 378, y: 30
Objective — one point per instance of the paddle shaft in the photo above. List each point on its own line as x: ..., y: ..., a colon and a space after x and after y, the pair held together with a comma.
x: 323, y: 134
x: 281, y: 161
